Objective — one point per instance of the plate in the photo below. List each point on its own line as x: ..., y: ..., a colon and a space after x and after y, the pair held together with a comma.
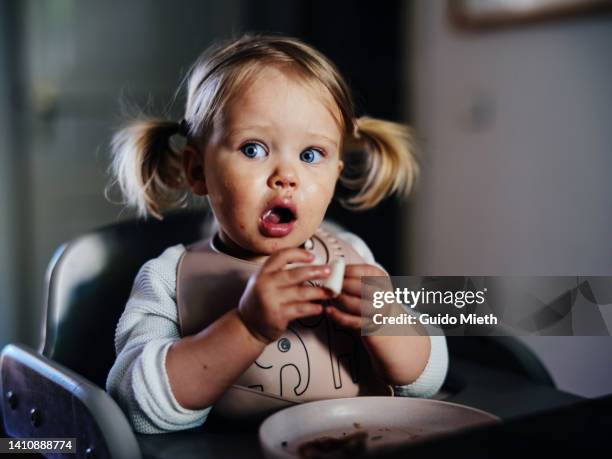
x: 362, y: 425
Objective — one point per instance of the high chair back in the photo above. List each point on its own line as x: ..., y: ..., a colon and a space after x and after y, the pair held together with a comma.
x: 89, y: 281
x: 58, y: 392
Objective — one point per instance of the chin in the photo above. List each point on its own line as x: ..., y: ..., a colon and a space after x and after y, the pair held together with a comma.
x: 277, y: 243
x: 269, y: 245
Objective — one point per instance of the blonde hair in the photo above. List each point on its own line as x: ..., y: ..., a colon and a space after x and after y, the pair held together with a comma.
x: 149, y: 170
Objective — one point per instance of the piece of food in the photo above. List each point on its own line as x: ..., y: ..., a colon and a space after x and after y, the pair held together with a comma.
x: 349, y: 446
x: 336, y: 278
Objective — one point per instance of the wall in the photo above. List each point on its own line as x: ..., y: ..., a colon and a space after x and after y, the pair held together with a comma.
x: 8, y: 174
x: 79, y: 64
x: 517, y: 153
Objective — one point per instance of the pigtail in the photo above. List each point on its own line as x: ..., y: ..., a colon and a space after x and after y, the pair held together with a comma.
x: 147, y: 168
x: 390, y: 164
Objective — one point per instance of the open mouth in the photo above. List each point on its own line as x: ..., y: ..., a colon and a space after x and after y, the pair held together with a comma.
x: 278, y: 219
x: 279, y: 215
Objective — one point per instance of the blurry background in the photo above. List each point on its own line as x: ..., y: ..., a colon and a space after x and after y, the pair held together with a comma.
x: 513, y: 124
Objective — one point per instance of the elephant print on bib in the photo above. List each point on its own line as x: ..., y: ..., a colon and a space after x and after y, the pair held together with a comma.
x: 285, y: 365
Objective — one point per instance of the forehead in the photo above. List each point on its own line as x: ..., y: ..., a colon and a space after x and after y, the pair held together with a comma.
x: 281, y: 99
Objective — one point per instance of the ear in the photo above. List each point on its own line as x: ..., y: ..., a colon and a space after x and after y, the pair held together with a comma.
x: 193, y: 164
x: 340, y: 166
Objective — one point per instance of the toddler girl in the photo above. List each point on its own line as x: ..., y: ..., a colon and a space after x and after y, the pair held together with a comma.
x: 267, y: 122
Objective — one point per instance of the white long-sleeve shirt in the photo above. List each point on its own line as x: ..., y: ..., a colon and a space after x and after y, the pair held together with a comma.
x: 138, y: 380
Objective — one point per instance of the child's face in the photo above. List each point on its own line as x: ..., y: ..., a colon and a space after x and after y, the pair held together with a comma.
x: 277, y: 144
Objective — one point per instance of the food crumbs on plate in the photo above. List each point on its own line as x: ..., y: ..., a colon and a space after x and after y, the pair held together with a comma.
x: 376, y: 437
x: 356, y: 425
x: 334, y: 448
x: 284, y: 444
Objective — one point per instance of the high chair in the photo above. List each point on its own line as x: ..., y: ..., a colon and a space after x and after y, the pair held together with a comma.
x: 58, y: 390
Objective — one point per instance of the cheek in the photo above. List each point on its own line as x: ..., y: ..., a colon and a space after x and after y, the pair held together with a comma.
x: 230, y: 206
x: 319, y: 188
x: 230, y: 197
x: 232, y: 193
x: 222, y: 180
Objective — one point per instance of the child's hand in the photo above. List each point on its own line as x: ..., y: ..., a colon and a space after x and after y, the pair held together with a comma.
x: 275, y: 296
x: 346, y: 310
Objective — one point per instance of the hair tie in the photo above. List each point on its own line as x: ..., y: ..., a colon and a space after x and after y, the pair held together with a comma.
x: 183, y: 128
x: 178, y: 140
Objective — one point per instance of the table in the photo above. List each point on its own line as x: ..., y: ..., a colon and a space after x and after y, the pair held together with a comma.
x: 500, y: 392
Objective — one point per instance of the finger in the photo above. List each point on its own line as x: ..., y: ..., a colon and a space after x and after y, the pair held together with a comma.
x: 279, y: 259
x: 348, y: 303
x: 352, y: 286
x: 362, y: 290
x: 356, y: 306
x: 296, y: 276
x: 303, y: 293
x: 360, y: 270
x: 302, y: 309
x: 344, y: 319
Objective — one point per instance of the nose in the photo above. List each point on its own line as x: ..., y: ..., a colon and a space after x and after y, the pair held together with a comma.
x: 284, y: 176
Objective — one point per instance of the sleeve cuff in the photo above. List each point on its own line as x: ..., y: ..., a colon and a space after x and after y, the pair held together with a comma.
x: 431, y: 379
x: 155, y: 397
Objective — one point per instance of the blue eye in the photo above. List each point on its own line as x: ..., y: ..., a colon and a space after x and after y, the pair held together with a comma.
x: 253, y: 150
x: 311, y: 155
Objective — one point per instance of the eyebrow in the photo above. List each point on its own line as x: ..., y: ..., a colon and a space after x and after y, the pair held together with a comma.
x: 323, y: 136
x: 248, y: 128
x: 268, y: 127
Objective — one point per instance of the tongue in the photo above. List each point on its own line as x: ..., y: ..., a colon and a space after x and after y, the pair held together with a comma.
x: 271, y: 217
